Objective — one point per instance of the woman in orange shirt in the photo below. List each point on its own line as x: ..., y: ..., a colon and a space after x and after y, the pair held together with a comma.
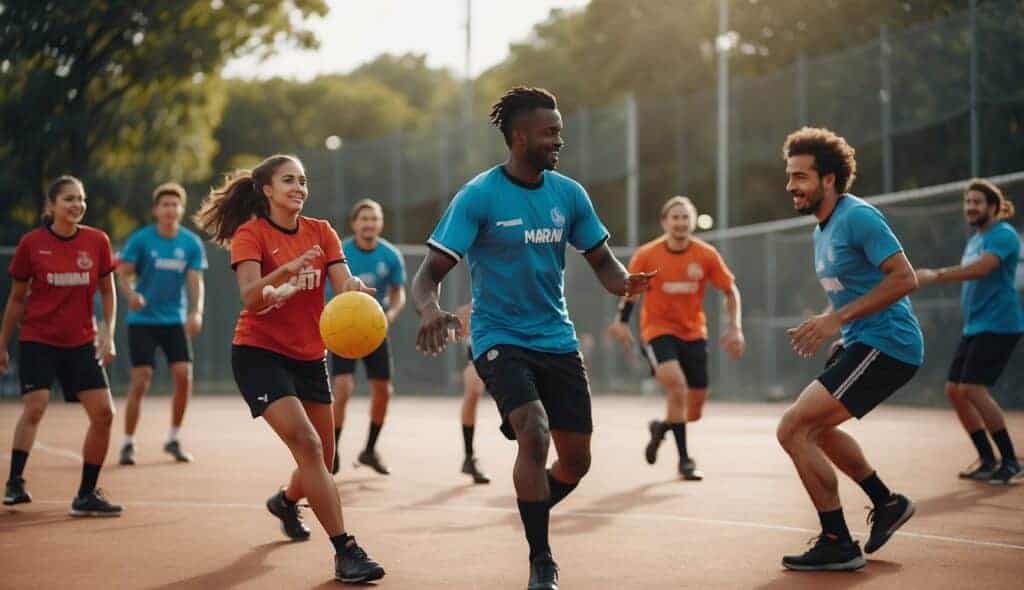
x: 281, y: 259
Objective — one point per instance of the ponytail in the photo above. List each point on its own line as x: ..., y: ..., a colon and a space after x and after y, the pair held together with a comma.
x: 52, y: 192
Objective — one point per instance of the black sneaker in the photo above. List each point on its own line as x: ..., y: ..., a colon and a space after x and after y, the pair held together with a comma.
x: 657, y: 435
x: 470, y: 467
x: 291, y: 521
x: 173, y: 448
x: 127, y: 455
x: 15, y: 493
x: 827, y: 553
x: 372, y: 459
x: 1006, y: 473
x: 543, y: 573
x: 979, y: 471
x: 885, y: 519
x: 353, y: 565
x: 688, y: 470
x: 94, y: 504
x: 336, y: 466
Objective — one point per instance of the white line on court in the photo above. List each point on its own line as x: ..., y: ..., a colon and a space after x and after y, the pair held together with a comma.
x: 58, y: 451
x: 596, y: 515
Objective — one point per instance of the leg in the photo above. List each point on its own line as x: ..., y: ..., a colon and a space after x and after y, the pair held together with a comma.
x: 972, y: 422
x: 473, y: 386
x: 344, y: 385
x: 380, y: 390
x: 533, y: 437
x: 99, y: 406
x: 573, y: 462
x: 844, y: 452
x: 33, y: 407
x: 986, y: 407
x: 182, y: 375
x: 695, y: 399
x: 969, y: 417
x: 141, y: 377
x: 670, y: 375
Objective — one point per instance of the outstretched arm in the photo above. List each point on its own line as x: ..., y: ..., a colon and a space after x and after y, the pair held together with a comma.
x: 613, y: 276
x: 977, y: 269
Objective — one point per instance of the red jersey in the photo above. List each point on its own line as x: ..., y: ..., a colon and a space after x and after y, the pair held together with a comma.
x: 291, y: 327
x: 674, y: 304
x: 63, y: 275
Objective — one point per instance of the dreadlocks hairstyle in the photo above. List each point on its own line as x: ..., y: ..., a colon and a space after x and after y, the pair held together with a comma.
x: 237, y: 200
x: 832, y: 155
x: 993, y: 196
x: 518, y: 101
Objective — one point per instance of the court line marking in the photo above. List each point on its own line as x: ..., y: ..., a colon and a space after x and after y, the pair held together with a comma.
x: 58, y: 451
x: 645, y: 516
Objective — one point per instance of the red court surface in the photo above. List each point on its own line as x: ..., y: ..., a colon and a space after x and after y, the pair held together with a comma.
x: 629, y: 525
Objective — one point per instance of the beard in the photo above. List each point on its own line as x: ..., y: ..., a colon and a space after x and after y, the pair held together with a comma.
x: 540, y: 158
x: 980, y: 220
x: 814, y: 201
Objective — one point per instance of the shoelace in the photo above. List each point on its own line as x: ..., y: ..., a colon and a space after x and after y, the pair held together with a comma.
x: 355, y: 550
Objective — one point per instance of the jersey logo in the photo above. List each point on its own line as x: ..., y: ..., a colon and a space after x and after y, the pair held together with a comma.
x: 179, y: 253
x: 382, y: 269
x: 694, y: 271
x: 263, y: 398
x: 680, y: 287
x: 275, y: 251
x: 557, y: 217
x: 492, y: 354
x: 544, y: 235
x: 510, y: 222
x: 67, y: 279
x: 46, y: 251
x: 169, y: 264
x: 831, y: 284
x: 84, y: 261
x: 308, y: 278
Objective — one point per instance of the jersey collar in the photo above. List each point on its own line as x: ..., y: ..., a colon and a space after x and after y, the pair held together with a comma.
x: 824, y: 222
x: 285, y: 230
x: 49, y: 228
x: 528, y: 186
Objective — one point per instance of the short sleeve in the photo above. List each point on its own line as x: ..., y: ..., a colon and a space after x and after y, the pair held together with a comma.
x: 106, y: 254
x: 586, y: 231
x: 397, y: 269
x: 638, y: 263
x: 718, y: 272
x: 21, y: 265
x: 1004, y: 244
x: 197, y: 260
x: 869, y: 231
x: 132, y: 249
x: 331, y: 244
x: 245, y: 245
x: 458, y: 227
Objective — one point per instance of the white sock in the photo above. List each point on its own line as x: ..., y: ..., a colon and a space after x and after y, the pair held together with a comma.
x: 129, y: 439
x: 172, y: 434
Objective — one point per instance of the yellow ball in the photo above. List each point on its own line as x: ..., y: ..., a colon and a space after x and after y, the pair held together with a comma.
x: 353, y: 325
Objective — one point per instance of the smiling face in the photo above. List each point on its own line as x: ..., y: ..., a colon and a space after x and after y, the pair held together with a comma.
x: 68, y: 205
x: 977, y: 211
x: 541, y: 133
x: 805, y: 185
x: 168, y: 209
x: 678, y: 222
x: 368, y: 223
x: 287, y: 189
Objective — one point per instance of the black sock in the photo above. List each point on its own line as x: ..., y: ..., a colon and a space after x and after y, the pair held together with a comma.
x: 679, y: 432
x: 90, y: 473
x: 660, y: 428
x: 18, y: 460
x: 833, y: 523
x: 559, y: 489
x: 980, y: 440
x: 1002, y: 439
x: 371, y: 440
x: 339, y: 542
x: 337, y: 437
x: 535, y: 517
x: 875, y: 489
x: 467, y: 439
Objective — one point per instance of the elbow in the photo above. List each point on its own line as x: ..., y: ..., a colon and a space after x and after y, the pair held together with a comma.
x: 908, y: 282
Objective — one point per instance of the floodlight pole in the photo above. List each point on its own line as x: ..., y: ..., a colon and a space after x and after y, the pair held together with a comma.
x: 723, y: 116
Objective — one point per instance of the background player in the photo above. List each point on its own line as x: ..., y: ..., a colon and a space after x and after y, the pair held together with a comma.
x: 673, y: 325
x: 379, y: 264
x: 993, y: 323
x: 56, y: 270
x: 472, y: 388
x: 281, y: 260
x: 161, y: 274
x: 866, y: 276
x: 512, y: 223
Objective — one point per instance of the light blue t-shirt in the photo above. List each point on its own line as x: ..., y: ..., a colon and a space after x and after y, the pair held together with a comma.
x: 381, y: 268
x: 513, y: 237
x: 849, y: 248
x: 161, y: 269
x: 991, y: 303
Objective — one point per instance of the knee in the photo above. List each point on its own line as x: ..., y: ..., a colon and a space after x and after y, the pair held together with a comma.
x: 33, y: 412
x: 142, y: 378
x: 694, y: 412
x: 673, y: 383
x: 578, y: 465
x: 533, y: 435
x: 382, y: 390
x: 954, y: 392
x: 306, y: 445
x: 103, y: 417
x: 789, y: 431
x: 182, y: 374
x: 343, y: 386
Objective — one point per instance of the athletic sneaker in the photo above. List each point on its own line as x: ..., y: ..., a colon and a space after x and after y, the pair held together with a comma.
x: 353, y: 565
x: 291, y: 521
x: 94, y: 504
x: 127, y: 455
x: 15, y: 493
x: 979, y: 471
x: 827, y: 553
x: 885, y: 519
x: 1006, y: 473
x: 336, y: 466
x: 372, y: 459
x: 688, y: 470
x: 543, y: 573
x: 470, y: 467
x: 657, y: 435
x: 173, y: 447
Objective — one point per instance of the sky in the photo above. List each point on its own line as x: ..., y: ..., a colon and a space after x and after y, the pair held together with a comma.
x: 356, y: 31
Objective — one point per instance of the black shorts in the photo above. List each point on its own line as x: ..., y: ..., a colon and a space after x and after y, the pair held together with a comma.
x: 981, y: 358
x: 75, y: 368
x: 515, y: 376
x: 377, y: 363
x: 691, y: 354
x: 861, y: 377
x: 264, y: 376
x: 143, y: 339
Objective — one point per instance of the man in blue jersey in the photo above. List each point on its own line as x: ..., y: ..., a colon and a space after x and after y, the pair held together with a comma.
x: 867, y: 278
x: 993, y: 323
x: 159, y: 264
x: 379, y: 264
x: 512, y: 224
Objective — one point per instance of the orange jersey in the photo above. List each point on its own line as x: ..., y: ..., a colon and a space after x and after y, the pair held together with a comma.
x: 290, y: 327
x: 674, y: 303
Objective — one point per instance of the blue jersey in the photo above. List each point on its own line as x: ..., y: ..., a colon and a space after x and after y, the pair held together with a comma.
x: 991, y: 303
x: 849, y: 247
x: 161, y: 266
x: 513, y: 237
x: 381, y: 268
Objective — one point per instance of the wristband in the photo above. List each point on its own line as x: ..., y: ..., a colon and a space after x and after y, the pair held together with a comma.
x: 625, y: 310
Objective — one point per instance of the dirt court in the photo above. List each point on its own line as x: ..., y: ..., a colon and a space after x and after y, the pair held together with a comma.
x: 628, y: 525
